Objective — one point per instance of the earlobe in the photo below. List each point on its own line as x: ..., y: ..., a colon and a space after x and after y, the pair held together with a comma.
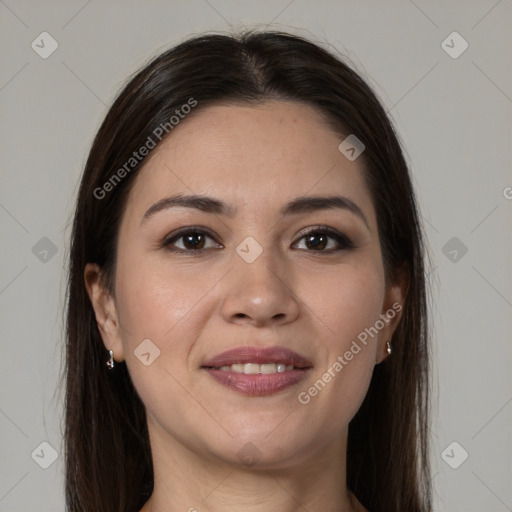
x: 104, y: 310
x: 392, y: 312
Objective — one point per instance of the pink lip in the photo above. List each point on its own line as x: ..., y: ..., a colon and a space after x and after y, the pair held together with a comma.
x: 258, y: 384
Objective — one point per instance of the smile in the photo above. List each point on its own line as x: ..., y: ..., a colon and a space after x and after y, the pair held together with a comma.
x: 257, y: 371
x: 255, y: 368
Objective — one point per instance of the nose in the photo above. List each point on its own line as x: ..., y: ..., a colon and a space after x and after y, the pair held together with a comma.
x: 259, y: 293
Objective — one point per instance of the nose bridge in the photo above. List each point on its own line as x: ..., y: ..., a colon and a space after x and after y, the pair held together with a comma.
x: 259, y: 267
x: 257, y: 288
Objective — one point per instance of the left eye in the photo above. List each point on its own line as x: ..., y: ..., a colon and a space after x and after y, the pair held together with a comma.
x: 318, y: 240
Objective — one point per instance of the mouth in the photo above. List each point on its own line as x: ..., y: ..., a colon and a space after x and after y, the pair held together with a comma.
x: 257, y: 371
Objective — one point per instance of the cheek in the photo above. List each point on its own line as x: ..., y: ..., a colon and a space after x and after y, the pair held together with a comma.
x: 349, y: 305
x: 346, y: 302
x: 159, y: 307
x: 169, y: 308
x: 155, y: 300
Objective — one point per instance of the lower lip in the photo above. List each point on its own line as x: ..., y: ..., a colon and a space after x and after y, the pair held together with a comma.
x: 257, y: 384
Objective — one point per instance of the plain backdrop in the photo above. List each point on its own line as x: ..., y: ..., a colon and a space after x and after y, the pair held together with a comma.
x: 452, y: 107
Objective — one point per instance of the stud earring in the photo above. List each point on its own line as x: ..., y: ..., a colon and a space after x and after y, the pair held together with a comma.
x: 110, y: 362
x: 388, y: 347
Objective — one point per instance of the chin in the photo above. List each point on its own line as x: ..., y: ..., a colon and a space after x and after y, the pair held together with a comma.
x: 263, y: 450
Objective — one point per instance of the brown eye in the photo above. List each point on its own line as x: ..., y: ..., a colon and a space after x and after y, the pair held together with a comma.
x: 193, y: 241
x: 318, y: 240
x: 189, y: 240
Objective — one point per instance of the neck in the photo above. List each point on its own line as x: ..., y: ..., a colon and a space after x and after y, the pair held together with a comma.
x: 186, y: 480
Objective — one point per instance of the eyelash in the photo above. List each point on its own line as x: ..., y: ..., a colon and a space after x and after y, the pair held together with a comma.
x: 343, y: 240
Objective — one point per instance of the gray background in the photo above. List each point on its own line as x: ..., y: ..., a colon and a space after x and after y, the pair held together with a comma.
x: 453, y: 114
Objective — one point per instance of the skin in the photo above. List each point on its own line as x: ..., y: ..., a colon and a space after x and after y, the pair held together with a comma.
x: 193, y: 307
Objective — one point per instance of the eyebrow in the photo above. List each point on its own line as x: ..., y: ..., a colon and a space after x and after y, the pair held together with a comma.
x: 305, y: 204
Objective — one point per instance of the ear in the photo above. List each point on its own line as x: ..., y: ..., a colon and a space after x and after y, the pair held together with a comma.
x: 105, y: 310
x: 392, y: 310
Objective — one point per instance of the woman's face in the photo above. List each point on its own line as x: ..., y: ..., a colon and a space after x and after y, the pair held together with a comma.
x: 240, y: 273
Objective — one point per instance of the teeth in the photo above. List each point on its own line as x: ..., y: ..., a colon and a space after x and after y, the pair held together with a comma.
x: 251, y: 368
x: 268, y: 368
x: 255, y: 368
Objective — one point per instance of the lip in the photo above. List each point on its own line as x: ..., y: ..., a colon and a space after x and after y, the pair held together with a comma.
x: 258, y: 384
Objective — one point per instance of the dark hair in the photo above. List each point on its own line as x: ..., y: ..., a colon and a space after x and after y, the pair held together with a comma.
x: 108, y: 457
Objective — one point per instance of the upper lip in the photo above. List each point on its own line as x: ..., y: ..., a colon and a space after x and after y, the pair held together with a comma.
x: 259, y: 355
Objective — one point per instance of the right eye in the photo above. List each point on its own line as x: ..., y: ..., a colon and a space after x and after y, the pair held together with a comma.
x: 193, y: 240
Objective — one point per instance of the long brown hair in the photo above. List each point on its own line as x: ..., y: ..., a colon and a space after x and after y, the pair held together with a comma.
x: 107, y: 451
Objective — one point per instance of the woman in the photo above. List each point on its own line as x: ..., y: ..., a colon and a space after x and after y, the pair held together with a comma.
x: 247, y: 320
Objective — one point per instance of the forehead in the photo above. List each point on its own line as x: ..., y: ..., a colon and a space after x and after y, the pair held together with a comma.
x: 271, y: 152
